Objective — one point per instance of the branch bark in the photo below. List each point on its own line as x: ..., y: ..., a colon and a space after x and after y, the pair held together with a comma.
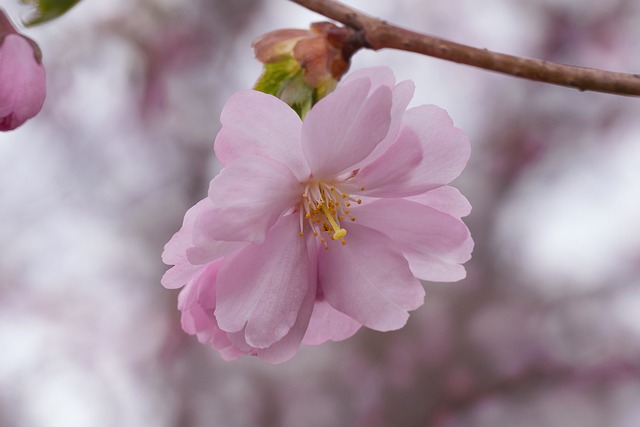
x: 377, y: 34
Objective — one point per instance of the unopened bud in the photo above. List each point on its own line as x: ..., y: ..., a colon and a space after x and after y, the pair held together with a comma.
x: 302, y: 66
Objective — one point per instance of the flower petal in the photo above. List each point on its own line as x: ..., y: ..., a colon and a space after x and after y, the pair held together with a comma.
x: 345, y: 127
x: 445, y: 151
x: 369, y: 280
x: 249, y: 196
x: 175, y: 251
x: 257, y: 124
x: 446, y: 147
x: 400, y: 98
x: 22, y: 81
x: 263, y: 285
x: 176, y: 248
x: 445, y: 199
x: 434, y: 243
x: 287, y: 347
x: 391, y: 174
x: 178, y: 275
x: 377, y: 76
x: 327, y: 323
x: 196, y: 302
x: 182, y: 250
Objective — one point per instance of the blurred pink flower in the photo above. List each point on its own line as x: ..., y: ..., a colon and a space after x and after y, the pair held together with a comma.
x: 22, y: 77
x: 315, y: 228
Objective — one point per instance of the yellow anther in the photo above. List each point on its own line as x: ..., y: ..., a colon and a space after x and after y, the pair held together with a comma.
x: 358, y: 201
x: 344, y: 242
x: 362, y: 188
x: 301, y: 234
x: 341, y: 217
x: 344, y: 196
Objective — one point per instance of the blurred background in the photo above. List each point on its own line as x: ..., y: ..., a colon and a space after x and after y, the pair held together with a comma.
x: 544, y: 332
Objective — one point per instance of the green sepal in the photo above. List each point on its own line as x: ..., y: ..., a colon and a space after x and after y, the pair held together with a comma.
x: 276, y: 74
x: 46, y: 10
x: 285, y: 79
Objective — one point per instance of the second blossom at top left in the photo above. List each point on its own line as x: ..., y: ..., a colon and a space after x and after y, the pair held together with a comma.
x: 22, y: 76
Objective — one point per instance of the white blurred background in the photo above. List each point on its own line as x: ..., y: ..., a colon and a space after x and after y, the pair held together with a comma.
x: 545, y: 331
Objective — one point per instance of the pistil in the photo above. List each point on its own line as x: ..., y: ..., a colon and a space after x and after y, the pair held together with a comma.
x: 324, y: 206
x: 339, y: 233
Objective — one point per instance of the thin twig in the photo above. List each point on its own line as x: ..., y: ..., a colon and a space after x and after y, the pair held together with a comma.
x: 377, y: 34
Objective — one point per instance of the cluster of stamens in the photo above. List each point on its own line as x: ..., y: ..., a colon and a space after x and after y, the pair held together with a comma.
x: 323, y: 206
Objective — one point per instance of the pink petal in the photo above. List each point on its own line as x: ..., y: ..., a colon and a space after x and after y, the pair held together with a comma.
x: 429, y: 152
x: 345, y: 127
x: 369, y: 280
x: 202, y: 249
x: 446, y: 148
x: 211, y: 250
x: 263, y: 285
x: 434, y: 243
x: 401, y: 96
x: 249, y: 196
x: 327, y: 323
x: 22, y: 82
x: 181, y: 273
x: 377, y: 76
x: 392, y: 173
x: 257, y: 124
x: 175, y: 251
x: 287, y: 347
x: 180, y: 250
x: 445, y: 199
x: 196, y: 302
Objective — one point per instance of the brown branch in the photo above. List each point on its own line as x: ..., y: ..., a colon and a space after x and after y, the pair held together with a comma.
x: 377, y: 34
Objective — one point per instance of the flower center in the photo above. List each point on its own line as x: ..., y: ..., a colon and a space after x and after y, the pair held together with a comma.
x: 324, y: 206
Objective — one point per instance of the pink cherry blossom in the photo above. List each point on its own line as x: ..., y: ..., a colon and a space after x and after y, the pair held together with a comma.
x: 22, y: 77
x: 316, y: 228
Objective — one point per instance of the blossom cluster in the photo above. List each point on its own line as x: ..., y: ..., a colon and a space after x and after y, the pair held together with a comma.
x: 316, y: 228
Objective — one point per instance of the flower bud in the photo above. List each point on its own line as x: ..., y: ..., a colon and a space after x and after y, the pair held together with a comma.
x: 22, y: 76
x: 302, y: 66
